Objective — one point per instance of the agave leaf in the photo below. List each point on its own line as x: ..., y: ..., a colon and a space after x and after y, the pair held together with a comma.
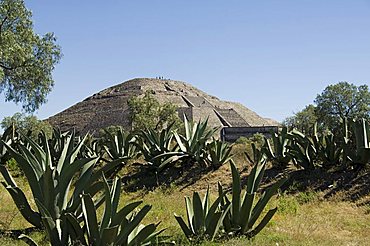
x: 187, y: 231
x: 143, y: 234
x: 199, y: 215
x: 38, y: 151
x: 126, y: 210
x: 67, y: 148
x: 171, y: 159
x: 107, y: 168
x: 246, y: 211
x: 206, y: 202
x: 108, y: 206
x: 109, y: 235
x: 27, y: 240
x: 115, y: 193
x: 235, y: 193
x: 180, y: 142
x: 91, y: 222
x: 263, y: 222
x: 29, y: 171
x: 216, y: 222
x: 66, y: 178
x: 74, y: 229
x: 23, y: 206
x: 53, y: 231
x: 6, y: 175
x: 49, y: 190
x: 126, y: 230
x: 261, y: 204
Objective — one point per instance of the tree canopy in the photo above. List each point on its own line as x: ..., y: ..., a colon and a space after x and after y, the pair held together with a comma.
x: 303, y: 120
x: 342, y: 100
x: 26, y: 58
x: 338, y: 101
x: 27, y: 124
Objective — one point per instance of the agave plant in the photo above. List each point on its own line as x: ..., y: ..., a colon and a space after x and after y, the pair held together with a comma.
x: 204, y: 218
x: 303, y: 150
x: 218, y: 153
x: 154, y: 145
x: 120, y: 147
x: 50, y: 182
x: 278, y: 152
x: 193, y: 145
x: 120, y: 144
x: 9, y: 138
x: 116, y: 227
x: 258, y: 155
x: 329, y: 151
x: 50, y: 179
x: 361, y: 152
x: 244, y: 212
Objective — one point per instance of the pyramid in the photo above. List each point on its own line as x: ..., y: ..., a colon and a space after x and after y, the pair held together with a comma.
x: 109, y: 107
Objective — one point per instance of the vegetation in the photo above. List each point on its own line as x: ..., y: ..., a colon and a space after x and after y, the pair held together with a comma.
x: 147, y: 112
x: 302, y: 120
x: 204, y: 219
x: 336, y: 102
x: 74, y: 190
x: 242, y: 216
x: 27, y: 125
x: 342, y: 100
x: 27, y: 59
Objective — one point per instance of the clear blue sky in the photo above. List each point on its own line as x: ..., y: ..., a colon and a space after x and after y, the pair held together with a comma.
x: 272, y: 56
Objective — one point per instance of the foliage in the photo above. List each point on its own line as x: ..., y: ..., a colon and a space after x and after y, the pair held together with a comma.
x: 278, y: 153
x: 303, y: 150
x: 258, y: 139
x: 27, y: 125
x: 27, y: 59
x: 360, y: 154
x: 258, y: 155
x: 50, y: 182
x: 9, y: 138
x: 147, y: 112
x: 244, y: 213
x: 120, y: 145
x: 49, y: 168
x: 342, y: 100
x: 302, y: 120
x: 121, y: 227
x: 204, y: 218
x: 219, y: 153
x: 116, y: 227
x: 193, y: 144
x: 329, y: 151
x: 155, y: 146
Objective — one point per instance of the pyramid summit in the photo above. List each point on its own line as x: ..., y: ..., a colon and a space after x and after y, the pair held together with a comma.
x: 110, y: 107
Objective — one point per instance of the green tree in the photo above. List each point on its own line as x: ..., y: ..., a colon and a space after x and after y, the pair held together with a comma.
x: 303, y: 120
x: 26, y: 59
x: 27, y: 124
x: 147, y: 112
x: 342, y: 100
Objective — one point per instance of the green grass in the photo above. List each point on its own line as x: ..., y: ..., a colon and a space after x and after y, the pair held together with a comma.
x: 302, y: 219
x: 312, y: 222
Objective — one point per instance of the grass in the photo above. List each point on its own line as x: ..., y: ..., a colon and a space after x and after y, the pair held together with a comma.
x: 299, y: 221
x: 302, y: 219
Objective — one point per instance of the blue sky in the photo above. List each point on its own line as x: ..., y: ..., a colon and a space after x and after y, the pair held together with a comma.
x: 272, y: 56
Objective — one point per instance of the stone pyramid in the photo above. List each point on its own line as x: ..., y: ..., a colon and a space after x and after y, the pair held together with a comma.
x: 109, y: 107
